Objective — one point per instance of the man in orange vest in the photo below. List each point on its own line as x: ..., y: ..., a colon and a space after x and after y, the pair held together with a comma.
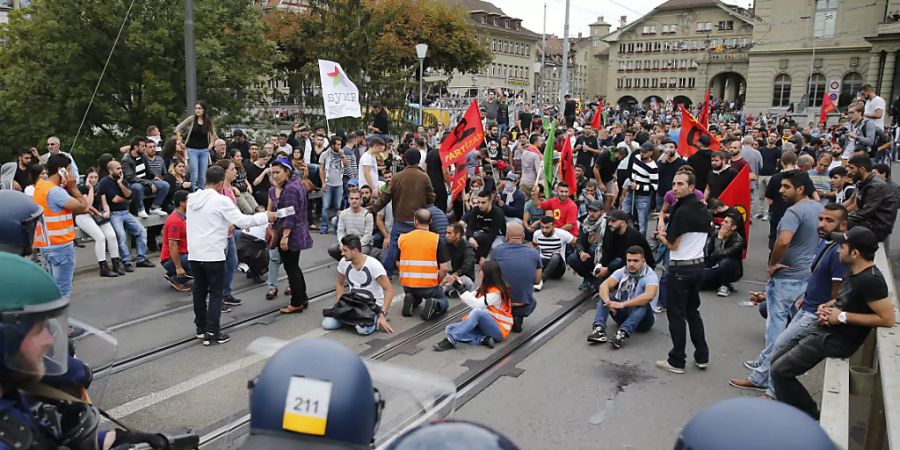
x: 424, y: 260
x: 61, y: 200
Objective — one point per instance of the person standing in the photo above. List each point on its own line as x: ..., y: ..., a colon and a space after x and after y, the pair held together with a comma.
x: 720, y: 175
x: 201, y: 134
x: 290, y: 234
x: 776, y: 202
x: 209, y: 216
x: 702, y: 162
x: 368, y: 165
x: 668, y: 164
x: 231, y: 257
x: 61, y: 200
x: 331, y: 173
x: 174, y: 255
x: 789, y: 269
x: 685, y: 237
x: 424, y: 261
x: 521, y: 268
x: 643, y: 184
x: 771, y: 154
x: 875, y: 106
x: 381, y: 124
x: 439, y: 176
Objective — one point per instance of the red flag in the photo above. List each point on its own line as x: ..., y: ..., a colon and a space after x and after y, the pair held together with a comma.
x: 691, y: 130
x: 467, y: 135
x: 827, y: 107
x: 703, y: 117
x: 458, y: 184
x: 737, y: 195
x: 567, y: 166
x: 597, y: 120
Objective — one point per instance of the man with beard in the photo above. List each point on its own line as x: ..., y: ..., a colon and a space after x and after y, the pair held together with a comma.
x: 552, y: 242
x: 484, y: 224
x: 720, y: 176
x: 874, y: 204
x: 593, y: 229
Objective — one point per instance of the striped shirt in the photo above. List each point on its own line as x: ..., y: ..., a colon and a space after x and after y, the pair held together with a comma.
x: 644, y: 176
x: 156, y: 167
x: 551, y: 245
x: 359, y: 223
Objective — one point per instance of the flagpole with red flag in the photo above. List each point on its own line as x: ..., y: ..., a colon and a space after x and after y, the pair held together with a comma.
x: 703, y: 117
x: 465, y: 136
x: 597, y: 120
x: 567, y: 167
x: 827, y: 107
x: 737, y: 196
x: 691, y: 130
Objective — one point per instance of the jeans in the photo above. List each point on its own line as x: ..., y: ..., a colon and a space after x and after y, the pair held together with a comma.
x: 641, y: 206
x: 231, y: 263
x: 393, y: 252
x: 762, y: 205
x: 331, y: 200
x: 138, y: 191
x: 554, y: 267
x: 630, y: 320
x: 169, y: 266
x: 209, y: 280
x: 274, y: 263
x: 247, y: 203
x: 60, y: 261
x: 485, y: 241
x: 330, y: 323
x: 781, y: 293
x: 435, y: 293
x: 295, y: 277
x: 800, y: 354
x: 122, y: 222
x: 198, y: 161
x: 726, y: 271
x: 584, y: 269
x: 472, y: 330
x: 799, y: 324
x: 104, y: 236
x: 684, y: 306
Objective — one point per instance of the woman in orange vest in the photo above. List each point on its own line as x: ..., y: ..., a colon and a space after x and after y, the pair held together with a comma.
x: 491, y: 317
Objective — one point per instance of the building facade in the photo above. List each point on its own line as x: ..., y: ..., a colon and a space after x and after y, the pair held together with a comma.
x: 598, y: 59
x: 548, y: 83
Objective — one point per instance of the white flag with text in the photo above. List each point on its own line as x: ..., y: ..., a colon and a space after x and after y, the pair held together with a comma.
x: 340, y: 95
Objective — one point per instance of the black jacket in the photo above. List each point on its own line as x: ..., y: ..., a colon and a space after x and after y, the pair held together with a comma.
x: 876, y: 207
x: 492, y: 222
x: 702, y: 164
x: 717, y: 249
x: 462, y: 258
x: 614, y: 246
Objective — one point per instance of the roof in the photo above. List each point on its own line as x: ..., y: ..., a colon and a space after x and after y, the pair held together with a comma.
x: 479, y: 5
x: 555, y: 45
x: 679, y: 4
x: 733, y: 10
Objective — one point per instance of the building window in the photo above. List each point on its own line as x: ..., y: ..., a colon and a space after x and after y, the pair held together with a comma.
x: 654, y: 83
x: 628, y: 83
x: 826, y: 17
x: 704, y: 26
x: 816, y: 89
x: 483, y: 19
x: 849, y: 88
x: 619, y: 83
x: 782, y: 95
x: 726, y: 25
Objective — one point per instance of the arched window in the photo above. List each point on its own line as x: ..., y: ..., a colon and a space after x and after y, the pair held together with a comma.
x: 782, y: 95
x: 816, y: 89
x: 849, y: 88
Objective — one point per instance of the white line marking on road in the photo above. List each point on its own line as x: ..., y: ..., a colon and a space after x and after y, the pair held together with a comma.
x: 155, y: 398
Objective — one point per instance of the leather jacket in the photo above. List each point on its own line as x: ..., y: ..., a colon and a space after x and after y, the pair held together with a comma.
x: 876, y: 207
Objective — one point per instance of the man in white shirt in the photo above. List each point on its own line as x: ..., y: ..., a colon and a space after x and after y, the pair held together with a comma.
x: 875, y: 106
x: 364, y: 276
x: 551, y: 242
x: 368, y: 165
x: 209, y: 215
x: 53, y: 148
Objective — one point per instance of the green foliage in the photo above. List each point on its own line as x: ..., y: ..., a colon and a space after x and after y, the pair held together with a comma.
x: 55, y: 51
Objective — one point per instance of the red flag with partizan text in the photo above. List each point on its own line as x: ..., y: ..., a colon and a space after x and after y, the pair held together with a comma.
x: 737, y: 196
x: 689, y: 138
x: 827, y: 107
x: 458, y: 184
x: 468, y: 134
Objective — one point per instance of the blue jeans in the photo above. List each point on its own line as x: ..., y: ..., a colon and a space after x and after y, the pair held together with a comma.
x: 274, y: 264
x: 330, y: 323
x: 60, y: 261
x: 393, y: 252
x: 231, y: 263
x: 198, y: 161
x: 641, y: 205
x: 138, y: 191
x: 331, y: 199
x: 799, y: 324
x: 169, y: 266
x: 638, y: 318
x: 122, y: 222
x: 781, y: 293
x: 472, y: 330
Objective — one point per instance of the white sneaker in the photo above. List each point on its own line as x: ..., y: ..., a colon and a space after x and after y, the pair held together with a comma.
x: 158, y: 212
x: 142, y: 214
x: 723, y: 291
x: 538, y: 287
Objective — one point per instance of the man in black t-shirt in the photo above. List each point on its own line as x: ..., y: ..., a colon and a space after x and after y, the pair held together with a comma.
x: 586, y: 148
x: 777, y: 204
x: 23, y: 164
x: 720, y: 176
x: 569, y: 111
x: 525, y: 118
x: 843, y: 323
x: 701, y: 162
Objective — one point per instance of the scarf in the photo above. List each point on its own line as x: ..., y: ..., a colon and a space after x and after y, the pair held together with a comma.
x: 590, y: 227
x: 509, y: 189
x: 629, y: 283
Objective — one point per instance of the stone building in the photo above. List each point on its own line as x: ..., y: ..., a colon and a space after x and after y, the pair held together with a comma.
x: 550, y: 77
x: 598, y: 60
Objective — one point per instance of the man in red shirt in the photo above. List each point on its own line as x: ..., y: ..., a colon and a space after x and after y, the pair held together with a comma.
x: 565, y: 213
x: 174, y: 237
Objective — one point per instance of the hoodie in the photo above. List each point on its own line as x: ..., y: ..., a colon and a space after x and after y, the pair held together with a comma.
x: 208, y: 216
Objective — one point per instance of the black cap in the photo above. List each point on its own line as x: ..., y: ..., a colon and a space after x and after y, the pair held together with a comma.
x: 595, y: 205
x: 647, y: 147
x: 237, y: 132
x: 618, y: 214
x: 860, y: 238
x: 705, y: 140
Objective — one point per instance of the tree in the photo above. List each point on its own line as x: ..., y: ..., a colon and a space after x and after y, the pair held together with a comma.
x: 55, y: 52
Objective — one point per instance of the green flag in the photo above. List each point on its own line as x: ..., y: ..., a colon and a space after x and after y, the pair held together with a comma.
x: 545, y: 123
x: 548, y: 159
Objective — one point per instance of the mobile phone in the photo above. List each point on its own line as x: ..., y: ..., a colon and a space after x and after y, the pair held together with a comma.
x: 63, y: 174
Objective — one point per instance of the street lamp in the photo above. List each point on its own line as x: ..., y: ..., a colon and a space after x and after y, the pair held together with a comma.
x: 421, y: 51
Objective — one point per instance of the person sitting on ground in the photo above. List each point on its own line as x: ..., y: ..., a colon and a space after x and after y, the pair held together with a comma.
x: 551, y: 242
x: 531, y: 218
x: 356, y: 221
x: 491, y: 318
x: 461, y: 276
x: 563, y: 209
x: 616, y: 242
x: 174, y: 254
x: 484, y: 224
x: 582, y: 260
x: 723, y: 258
x: 364, y: 276
x: 511, y: 198
x: 588, y: 196
x: 635, y: 287
x: 521, y: 266
x: 424, y: 261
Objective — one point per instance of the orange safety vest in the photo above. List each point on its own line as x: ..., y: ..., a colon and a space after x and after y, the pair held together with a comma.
x: 501, y: 315
x: 60, y: 225
x: 418, y: 259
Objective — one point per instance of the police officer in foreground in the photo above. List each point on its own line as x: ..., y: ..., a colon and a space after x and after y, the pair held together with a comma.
x: 313, y: 394
x: 37, y: 376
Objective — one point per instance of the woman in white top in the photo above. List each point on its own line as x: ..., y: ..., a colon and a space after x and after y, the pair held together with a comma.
x: 490, y: 320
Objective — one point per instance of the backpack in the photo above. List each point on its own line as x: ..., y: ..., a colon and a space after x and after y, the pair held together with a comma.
x: 881, y: 138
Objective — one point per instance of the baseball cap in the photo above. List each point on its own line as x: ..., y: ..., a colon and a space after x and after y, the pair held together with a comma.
x: 512, y: 176
x: 595, y: 205
x: 647, y: 147
x: 284, y: 163
x: 353, y: 182
x: 860, y: 238
x: 618, y: 214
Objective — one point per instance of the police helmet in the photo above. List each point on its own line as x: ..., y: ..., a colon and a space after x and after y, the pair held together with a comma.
x: 451, y: 435
x: 31, y: 307
x: 723, y: 426
x: 18, y: 221
x: 313, y: 394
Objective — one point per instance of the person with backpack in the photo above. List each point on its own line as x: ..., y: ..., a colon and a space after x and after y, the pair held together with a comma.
x: 861, y: 132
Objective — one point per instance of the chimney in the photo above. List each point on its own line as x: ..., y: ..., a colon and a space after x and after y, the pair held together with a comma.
x: 600, y: 19
x: 622, y: 21
x: 579, y: 35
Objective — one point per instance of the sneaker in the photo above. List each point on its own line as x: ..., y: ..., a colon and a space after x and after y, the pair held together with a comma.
x: 488, y: 342
x: 128, y: 268
x: 751, y: 364
x: 664, y: 365
x: 178, y: 286
x: 243, y: 267
x: 226, y: 308
x: 145, y: 263
x: 744, y: 383
x: 758, y: 216
x: 453, y: 293
x: 200, y: 333
x: 517, y: 324
x: 585, y: 285
x: 323, y: 230
x: 142, y: 214
x: 538, y: 287
x: 619, y: 339
x: 407, y: 306
x: 723, y: 291
x: 701, y: 365
x: 444, y: 344
x: 215, y: 339
x: 658, y: 309
x: 429, y: 309
x: 765, y: 218
x: 158, y: 211
x: 231, y: 301
x: 598, y: 336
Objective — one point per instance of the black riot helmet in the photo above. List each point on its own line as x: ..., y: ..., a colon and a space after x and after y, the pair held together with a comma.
x: 19, y: 216
x: 451, y: 435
